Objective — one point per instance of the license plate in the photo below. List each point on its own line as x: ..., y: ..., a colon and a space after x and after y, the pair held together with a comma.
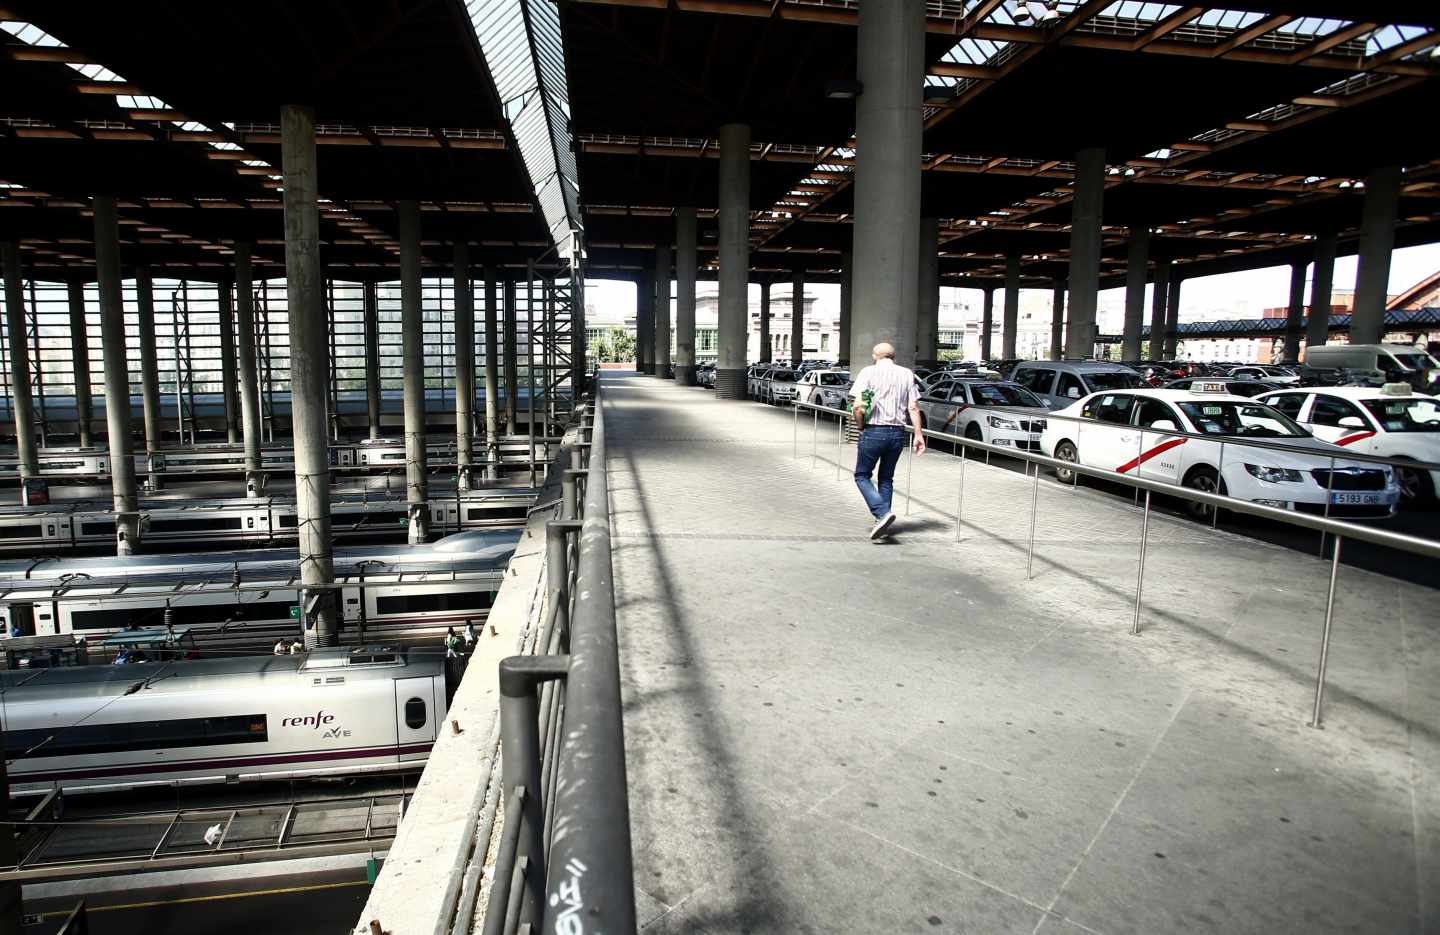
x: 1357, y: 499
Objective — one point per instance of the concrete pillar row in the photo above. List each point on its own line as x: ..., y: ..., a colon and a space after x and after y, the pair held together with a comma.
x: 890, y: 65
x: 765, y: 354
x: 249, y: 370
x: 117, y: 376
x: 80, y: 347
x: 492, y: 376
x: 1321, y: 282
x: 644, y: 321
x: 734, y: 311
x: 1085, y: 215
x: 987, y: 323
x: 309, y: 368
x: 1011, y: 321
x: 20, y: 396
x: 1294, y: 313
x: 927, y: 325
x: 370, y: 313
x: 842, y: 352
x: 1377, y: 242
x: 1057, y: 321
x: 1159, y: 297
x: 417, y: 488
x: 1137, y: 259
x: 1172, y: 317
x: 464, y: 365
x: 797, y: 318
x: 661, y: 333
x: 149, y: 371
x: 685, y: 264
x: 229, y: 391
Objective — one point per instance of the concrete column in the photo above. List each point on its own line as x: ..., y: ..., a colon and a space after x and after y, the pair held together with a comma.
x: 842, y: 352
x: 1057, y: 321
x: 249, y: 374
x: 1159, y: 296
x: 492, y: 377
x: 370, y: 314
x: 1294, y: 313
x: 228, y: 391
x: 309, y: 366
x: 734, y: 311
x: 149, y: 368
x: 927, y: 327
x: 644, y: 322
x: 464, y: 365
x: 20, y: 397
x: 797, y: 318
x: 1085, y: 212
x: 417, y: 491
x: 80, y: 347
x: 662, y: 311
x: 685, y: 263
x: 766, y: 350
x: 890, y: 53
x: 1172, y: 317
x: 1318, y: 330
x: 987, y: 323
x: 1011, y: 321
x: 1377, y: 241
x: 1136, y: 260
x: 117, y: 377
x: 510, y: 349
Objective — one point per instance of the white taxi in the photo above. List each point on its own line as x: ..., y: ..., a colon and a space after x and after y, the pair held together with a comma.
x: 824, y: 387
x: 1392, y: 421
x: 1134, y: 431
x: 985, y: 410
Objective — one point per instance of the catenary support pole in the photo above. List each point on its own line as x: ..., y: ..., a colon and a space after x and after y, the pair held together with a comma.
x: 1011, y: 321
x: 1137, y: 258
x: 1318, y: 328
x: 510, y: 351
x: 370, y: 313
x: 890, y: 53
x: 1172, y: 316
x: 19, y: 334
x: 734, y: 312
x: 927, y: 327
x: 1294, y: 313
x: 1159, y: 297
x: 309, y: 368
x: 662, y: 312
x: 417, y: 494
x: 117, y: 377
x: 1085, y: 214
x: 766, y: 349
x: 464, y: 365
x: 987, y: 322
x: 492, y: 377
x: 797, y: 318
x: 249, y: 377
x: 843, y: 350
x: 1377, y: 241
x: 685, y: 264
x: 1057, y: 320
x: 149, y: 371
x: 229, y: 392
x: 80, y: 346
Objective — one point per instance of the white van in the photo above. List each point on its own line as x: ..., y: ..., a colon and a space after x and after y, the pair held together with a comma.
x: 1386, y: 363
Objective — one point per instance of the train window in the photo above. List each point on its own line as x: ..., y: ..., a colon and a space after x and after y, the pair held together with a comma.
x: 115, y: 619
x: 289, y: 521
x: 194, y: 525
x: 432, y: 602
x: 415, y: 713
x: 90, y: 739
x: 504, y: 512
x: 20, y: 532
x: 97, y: 529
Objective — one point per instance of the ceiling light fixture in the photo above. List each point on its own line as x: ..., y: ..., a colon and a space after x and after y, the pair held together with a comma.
x: 843, y: 90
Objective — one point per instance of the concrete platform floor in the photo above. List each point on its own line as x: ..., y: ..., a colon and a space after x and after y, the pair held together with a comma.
x: 826, y: 735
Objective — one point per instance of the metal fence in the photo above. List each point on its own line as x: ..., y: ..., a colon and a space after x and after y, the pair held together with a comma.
x: 1339, y: 530
x: 564, y: 860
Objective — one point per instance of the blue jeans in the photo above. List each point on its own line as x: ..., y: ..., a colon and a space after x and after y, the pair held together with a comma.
x: 882, y: 444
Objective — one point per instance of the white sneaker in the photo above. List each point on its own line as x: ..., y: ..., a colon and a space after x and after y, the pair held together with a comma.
x: 882, y: 526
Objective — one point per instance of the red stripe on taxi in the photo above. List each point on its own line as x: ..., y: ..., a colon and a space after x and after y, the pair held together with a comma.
x: 1357, y: 437
x: 1159, y: 449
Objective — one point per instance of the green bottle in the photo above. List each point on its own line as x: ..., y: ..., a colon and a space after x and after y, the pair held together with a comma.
x: 867, y: 399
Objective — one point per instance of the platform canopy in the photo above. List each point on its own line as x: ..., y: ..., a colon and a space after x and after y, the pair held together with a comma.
x: 1236, y: 134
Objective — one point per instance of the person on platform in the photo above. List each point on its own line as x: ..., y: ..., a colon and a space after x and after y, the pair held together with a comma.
x: 280, y: 647
x: 882, y: 397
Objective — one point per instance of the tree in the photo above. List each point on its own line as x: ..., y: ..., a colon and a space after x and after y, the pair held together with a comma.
x: 615, y: 347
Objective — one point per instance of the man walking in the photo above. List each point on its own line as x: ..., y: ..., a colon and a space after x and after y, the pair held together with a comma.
x: 883, y: 394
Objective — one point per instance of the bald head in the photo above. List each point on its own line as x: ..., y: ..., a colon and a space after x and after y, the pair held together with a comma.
x: 882, y: 350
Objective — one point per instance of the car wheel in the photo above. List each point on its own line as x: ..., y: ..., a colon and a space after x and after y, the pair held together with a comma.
x: 1065, y: 451
x: 1415, y: 486
x: 1205, y: 480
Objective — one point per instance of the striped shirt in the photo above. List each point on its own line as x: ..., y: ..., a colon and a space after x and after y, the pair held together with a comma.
x: 894, y: 389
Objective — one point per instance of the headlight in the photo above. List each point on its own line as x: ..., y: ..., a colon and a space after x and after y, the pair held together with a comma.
x: 998, y: 423
x: 1273, y: 475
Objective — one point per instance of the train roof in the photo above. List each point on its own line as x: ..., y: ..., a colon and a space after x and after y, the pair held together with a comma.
x: 473, y: 551
x: 374, y: 498
x: 240, y: 672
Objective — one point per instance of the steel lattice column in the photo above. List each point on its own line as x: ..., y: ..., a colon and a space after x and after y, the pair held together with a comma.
x: 80, y: 347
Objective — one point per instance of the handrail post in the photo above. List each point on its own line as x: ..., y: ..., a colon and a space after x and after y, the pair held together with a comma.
x: 909, y: 468
x: 814, y: 434
x: 839, y: 444
x: 1325, y: 634
x: 1034, y: 504
x: 1140, y: 574
x: 960, y: 497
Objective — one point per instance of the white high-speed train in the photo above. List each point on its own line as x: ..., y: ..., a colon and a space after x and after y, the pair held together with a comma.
x: 386, y: 592
x: 328, y: 712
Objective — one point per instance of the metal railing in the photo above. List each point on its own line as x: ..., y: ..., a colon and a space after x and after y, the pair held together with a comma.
x: 1325, y: 525
x: 564, y: 852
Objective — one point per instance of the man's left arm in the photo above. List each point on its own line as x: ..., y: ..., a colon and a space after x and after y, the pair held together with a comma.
x: 913, y: 407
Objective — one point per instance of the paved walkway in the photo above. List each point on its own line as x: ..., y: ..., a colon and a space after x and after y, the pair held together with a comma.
x: 826, y: 735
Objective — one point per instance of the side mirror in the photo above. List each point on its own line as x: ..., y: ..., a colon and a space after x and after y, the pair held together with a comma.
x: 1163, y: 425
x: 1351, y: 422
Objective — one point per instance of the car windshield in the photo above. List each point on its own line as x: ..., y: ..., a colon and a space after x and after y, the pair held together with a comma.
x: 783, y: 376
x: 834, y: 379
x: 1252, y: 420
x: 1413, y: 361
x: 1405, y: 414
x: 1001, y: 394
x: 1277, y: 371
x: 1111, y: 380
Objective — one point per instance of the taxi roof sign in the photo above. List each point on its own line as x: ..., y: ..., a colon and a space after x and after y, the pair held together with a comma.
x: 1210, y: 386
x: 1395, y: 389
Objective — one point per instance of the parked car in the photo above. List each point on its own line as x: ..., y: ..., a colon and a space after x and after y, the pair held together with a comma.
x: 1393, y: 421
x: 754, y: 375
x: 813, y: 386
x: 777, y: 385
x: 1382, y: 363
x: 1134, y: 431
x: 1062, y: 382
x: 1280, y: 375
x: 705, y: 375
x: 985, y: 411
x: 1235, y: 387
